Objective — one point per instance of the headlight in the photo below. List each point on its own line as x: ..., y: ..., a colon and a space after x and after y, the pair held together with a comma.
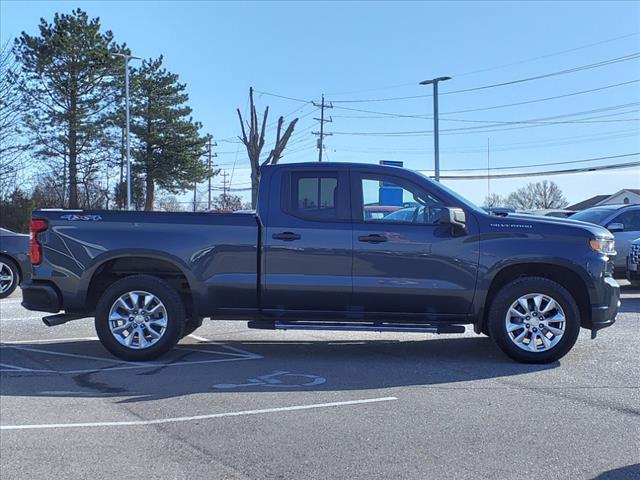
x: 606, y: 246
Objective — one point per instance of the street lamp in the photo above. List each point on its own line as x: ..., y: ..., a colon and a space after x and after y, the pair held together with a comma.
x: 436, y: 141
x: 126, y: 94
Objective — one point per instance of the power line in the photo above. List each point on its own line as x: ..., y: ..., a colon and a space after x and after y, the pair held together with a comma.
x: 282, y: 96
x: 537, y: 100
x: 614, y: 166
x: 546, y: 164
x: 541, y: 121
x: 581, y: 139
x: 496, y: 67
x: 602, y: 63
x: 494, y: 107
x: 575, y: 49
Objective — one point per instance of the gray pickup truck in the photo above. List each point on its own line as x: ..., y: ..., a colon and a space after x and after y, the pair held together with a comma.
x: 312, y: 257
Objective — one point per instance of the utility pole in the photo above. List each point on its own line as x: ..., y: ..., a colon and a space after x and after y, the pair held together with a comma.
x: 126, y: 94
x: 210, y: 155
x: 488, y: 172
x: 322, y: 121
x: 436, y: 134
x: 195, y: 190
x: 225, y: 195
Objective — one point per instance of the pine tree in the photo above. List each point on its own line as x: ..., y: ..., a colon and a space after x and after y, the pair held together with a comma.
x: 68, y: 84
x: 168, y: 145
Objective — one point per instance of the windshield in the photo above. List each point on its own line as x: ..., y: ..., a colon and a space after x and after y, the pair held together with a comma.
x: 596, y: 215
x: 454, y: 194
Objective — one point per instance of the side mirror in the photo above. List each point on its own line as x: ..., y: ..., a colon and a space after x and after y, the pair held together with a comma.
x: 453, y: 216
x: 615, y: 227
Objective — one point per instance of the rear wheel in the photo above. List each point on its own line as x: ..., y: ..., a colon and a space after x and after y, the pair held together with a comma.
x: 139, y: 318
x: 9, y: 277
x: 534, y: 320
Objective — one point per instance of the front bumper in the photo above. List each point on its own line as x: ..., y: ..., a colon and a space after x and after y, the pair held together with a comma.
x: 40, y: 296
x: 604, y: 314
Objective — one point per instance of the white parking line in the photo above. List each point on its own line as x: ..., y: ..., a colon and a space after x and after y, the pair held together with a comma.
x: 196, y: 417
x: 47, y: 340
x: 10, y: 302
x: 234, y: 349
x: 16, y: 319
x: 234, y: 354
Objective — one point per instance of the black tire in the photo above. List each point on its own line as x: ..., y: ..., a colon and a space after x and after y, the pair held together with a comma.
x: 191, y: 325
x: 525, y: 286
x: 15, y: 271
x: 165, y: 293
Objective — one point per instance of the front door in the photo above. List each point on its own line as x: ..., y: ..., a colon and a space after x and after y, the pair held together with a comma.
x: 405, y: 263
x: 307, y: 244
x: 629, y: 219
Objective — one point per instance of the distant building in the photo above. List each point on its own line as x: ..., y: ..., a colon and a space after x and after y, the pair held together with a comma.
x: 626, y: 196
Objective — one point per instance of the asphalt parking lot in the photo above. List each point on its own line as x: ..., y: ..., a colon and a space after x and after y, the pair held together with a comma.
x: 234, y: 403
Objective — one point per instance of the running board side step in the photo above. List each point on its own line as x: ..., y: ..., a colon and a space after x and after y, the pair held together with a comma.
x: 357, y: 326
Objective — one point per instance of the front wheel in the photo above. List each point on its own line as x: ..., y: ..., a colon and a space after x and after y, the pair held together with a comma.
x: 534, y: 320
x: 139, y: 318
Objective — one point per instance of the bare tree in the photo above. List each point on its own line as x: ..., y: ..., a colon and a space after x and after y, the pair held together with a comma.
x: 227, y: 202
x: 254, y: 142
x: 166, y: 202
x: 11, y: 110
x: 545, y: 194
x: 549, y: 195
x: 494, y: 200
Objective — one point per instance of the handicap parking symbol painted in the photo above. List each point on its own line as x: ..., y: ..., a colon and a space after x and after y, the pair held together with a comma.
x: 279, y: 378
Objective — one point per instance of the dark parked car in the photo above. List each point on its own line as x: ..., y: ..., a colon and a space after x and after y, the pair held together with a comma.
x: 311, y: 259
x: 621, y: 220
x: 14, y: 260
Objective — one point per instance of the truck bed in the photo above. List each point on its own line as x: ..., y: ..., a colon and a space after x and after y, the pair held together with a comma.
x: 216, y: 252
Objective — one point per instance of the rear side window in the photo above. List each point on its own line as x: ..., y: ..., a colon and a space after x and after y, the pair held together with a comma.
x: 314, y: 195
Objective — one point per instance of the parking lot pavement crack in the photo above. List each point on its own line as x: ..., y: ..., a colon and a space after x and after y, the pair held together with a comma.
x: 557, y: 392
x: 206, y: 455
x: 153, y: 371
x: 85, y: 380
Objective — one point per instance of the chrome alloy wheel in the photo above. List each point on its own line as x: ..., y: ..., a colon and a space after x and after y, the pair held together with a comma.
x: 138, y: 319
x: 535, y: 322
x: 6, y: 277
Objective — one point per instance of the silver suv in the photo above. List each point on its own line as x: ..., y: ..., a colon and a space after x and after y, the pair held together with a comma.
x: 621, y: 220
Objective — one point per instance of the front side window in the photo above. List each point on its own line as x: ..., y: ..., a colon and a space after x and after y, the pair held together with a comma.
x: 386, y: 199
x: 630, y: 219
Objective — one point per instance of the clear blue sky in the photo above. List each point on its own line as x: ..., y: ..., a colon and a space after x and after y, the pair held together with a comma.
x: 371, y: 51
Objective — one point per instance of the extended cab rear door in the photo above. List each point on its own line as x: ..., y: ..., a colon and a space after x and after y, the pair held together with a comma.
x: 307, y: 242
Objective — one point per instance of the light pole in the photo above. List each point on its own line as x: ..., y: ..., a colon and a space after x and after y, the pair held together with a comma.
x: 126, y: 95
x: 436, y: 140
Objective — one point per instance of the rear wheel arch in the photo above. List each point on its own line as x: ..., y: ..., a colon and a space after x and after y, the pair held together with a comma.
x: 563, y: 275
x: 114, y: 269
